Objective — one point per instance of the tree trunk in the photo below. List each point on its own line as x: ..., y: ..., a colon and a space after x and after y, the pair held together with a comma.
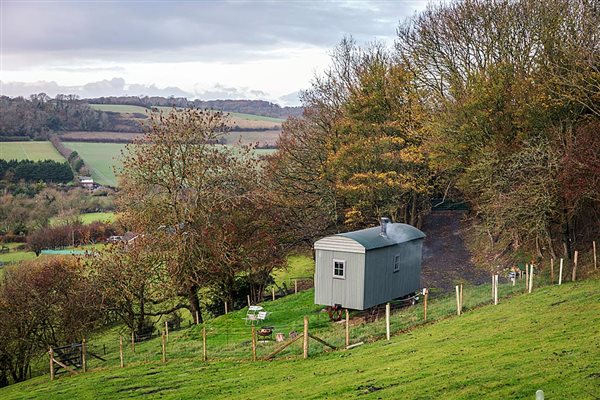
x: 413, y: 210
x: 142, y: 316
x: 194, y: 303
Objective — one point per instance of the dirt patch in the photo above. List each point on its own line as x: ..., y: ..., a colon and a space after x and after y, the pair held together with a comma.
x: 446, y: 259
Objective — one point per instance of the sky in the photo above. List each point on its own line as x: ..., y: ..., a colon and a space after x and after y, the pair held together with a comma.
x: 268, y: 50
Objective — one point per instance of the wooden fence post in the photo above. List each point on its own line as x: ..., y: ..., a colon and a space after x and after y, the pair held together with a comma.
x: 248, y: 296
x: 164, y: 348
x: 133, y: 341
x: 531, y: 279
x: 493, y: 286
x: 83, y: 355
x: 273, y: 293
x: 121, y: 350
x: 387, y: 321
x: 347, y: 328
x: 560, y: 272
x: 253, y: 343
x: 595, y: 259
x: 574, y: 267
x: 552, y: 271
x: 496, y: 289
x: 197, y: 317
x: 425, y: 294
x: 204, y: 357
x: 305, y: 338
x: 51, y: 354
x: 461, y: 298
x: 526, y: 276
x: 295, y: 286
x: 167, y: 330
x: 226, y: 310
x: 457, y: 301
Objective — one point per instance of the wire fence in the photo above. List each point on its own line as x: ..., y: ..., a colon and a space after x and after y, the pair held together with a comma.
x: 231, y: 337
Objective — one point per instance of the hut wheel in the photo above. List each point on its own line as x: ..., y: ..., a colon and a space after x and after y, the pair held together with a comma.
x: 335, y: 313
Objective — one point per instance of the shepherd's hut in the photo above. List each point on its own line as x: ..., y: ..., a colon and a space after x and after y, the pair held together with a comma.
x: 361, y: 269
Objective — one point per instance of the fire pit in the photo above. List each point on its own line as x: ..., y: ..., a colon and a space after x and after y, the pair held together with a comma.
x: 265, y: 332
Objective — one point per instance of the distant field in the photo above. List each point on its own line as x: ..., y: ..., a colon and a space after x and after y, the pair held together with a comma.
x: 99, y: 135
x: 240, y: 120
x: 88, y: 218
x: 29, y: 151
x: 256, y: 117
x: 264, y: 137
x: 119, y: 108
x: 102, y: 157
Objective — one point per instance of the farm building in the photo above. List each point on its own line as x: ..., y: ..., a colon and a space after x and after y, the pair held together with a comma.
x: 361, y: 269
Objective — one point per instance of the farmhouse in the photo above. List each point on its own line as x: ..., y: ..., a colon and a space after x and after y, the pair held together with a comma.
x: 365, y: 268
x: 86, y: 182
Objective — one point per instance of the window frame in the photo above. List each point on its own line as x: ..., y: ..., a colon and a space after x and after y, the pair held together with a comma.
x: 396, y: 267
x: 343, y: 262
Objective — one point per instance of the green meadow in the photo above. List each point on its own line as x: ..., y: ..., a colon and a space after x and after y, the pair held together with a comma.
x: 549, y: 340
x: 102, y: 158
x: 29, y: 151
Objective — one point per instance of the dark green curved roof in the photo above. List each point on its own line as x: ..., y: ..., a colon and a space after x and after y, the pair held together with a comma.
x: 370, y: 238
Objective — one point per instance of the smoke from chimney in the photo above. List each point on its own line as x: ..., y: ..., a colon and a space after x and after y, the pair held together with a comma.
x: 384, y: 222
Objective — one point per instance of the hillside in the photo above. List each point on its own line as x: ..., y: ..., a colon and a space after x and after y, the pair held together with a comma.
x: 548, y: 340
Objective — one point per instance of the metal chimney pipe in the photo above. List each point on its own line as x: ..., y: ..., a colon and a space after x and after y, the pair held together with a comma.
x: 384, y: 222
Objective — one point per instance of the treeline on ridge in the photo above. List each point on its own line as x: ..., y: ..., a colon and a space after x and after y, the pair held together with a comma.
x: 254, y: 107
x: 39, y: 115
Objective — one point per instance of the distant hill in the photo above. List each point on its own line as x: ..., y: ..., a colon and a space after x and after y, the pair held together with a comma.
x: 254, y: 107
x: 38, y: 116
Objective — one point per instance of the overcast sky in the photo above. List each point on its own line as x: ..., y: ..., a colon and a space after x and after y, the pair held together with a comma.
x: 198, y: 49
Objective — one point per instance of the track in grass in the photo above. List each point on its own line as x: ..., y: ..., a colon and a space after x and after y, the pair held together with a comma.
x: 35, y: 151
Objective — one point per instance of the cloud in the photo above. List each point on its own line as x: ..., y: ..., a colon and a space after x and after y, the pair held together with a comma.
x: 206, y: 31
x: 106, y: 87
x: 290, y: 99
x: 221, y: 92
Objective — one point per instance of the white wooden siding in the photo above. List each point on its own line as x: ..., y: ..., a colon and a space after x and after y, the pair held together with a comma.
x: 339, y: 243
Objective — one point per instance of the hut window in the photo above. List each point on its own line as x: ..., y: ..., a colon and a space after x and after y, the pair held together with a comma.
x: 396, y: 263
x: 339, y: 269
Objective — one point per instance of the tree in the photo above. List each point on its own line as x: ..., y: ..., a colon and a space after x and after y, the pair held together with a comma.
x: 42, y: 303
x: 357, y: 154
x: 134, y: 282
x: 179, y: 188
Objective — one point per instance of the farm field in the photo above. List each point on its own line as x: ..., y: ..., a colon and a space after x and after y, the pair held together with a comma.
x: 15, y: 256
x: 548, y: 340
x: 88, y: 218
x: 102, y: 157
x: 35, y: 151
x: 263, y: 137
x: 239, y: 120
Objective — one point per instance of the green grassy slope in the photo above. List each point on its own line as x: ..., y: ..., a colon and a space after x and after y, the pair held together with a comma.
x: 123, y: 108
x: 88, y: 218
x: 29, y: 151
x: 102, y: 157
x: 548, y: 340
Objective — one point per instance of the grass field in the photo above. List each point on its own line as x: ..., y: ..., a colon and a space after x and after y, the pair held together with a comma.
x: 548, y: 340
x: 120, y: 108
x: 263, y: 137
x: 243, y: 121
x: 15, y: 256
x: 29, y: 151
x: 88, y: 218
x: 102, y: 157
